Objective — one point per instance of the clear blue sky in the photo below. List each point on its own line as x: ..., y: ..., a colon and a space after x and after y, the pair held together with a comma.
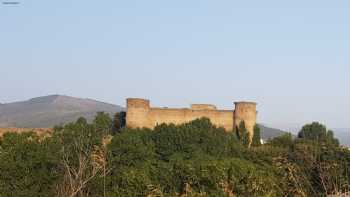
x: 292, y: 57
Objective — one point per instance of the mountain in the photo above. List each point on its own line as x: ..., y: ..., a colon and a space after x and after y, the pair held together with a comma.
x: 47, y: 111
x: 268, y: 132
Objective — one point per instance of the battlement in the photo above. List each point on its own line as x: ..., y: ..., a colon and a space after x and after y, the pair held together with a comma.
x: 203, y: 107
x: 140, y: 114
x: 137, y: 103
x: 245, y: 103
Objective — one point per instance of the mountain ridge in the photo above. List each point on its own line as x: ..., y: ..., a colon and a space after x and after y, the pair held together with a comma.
x: 268, y: 132
x: 47, y: 111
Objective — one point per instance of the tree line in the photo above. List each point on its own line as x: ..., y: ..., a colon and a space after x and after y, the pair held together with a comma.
x: 103, y: 158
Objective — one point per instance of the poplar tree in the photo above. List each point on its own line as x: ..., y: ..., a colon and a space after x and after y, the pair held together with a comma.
x: 242, y: 134
x: 256, y: 137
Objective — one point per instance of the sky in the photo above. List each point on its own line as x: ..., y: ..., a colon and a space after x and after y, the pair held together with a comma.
x: 291, y: 57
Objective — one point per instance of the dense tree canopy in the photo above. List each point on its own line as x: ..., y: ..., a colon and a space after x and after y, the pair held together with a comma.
x: 28, y: 166
x: 192, y: 159
x: 318, y: 132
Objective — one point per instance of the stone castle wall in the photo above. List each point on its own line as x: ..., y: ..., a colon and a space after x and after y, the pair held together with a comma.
x: 220, y: 118
x: 140, y: 114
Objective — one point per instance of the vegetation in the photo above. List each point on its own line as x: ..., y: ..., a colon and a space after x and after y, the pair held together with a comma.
x: 256, y: 141
x: 243, y: 134
x: 192, y: 159
x: 317, y: 132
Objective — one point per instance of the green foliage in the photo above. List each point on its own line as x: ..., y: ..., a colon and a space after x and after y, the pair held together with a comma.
x: 216, y: 177
x: 326, y: 166
x: 103, y: 123
x: 79, y: 134
x: 81, y: 154
x: 242, y: 134
x: 131, y: 149
x: 117, y: 125
x: 130, y: 182
x: 28, y: 166
x: 80, y: 121
x: 317, y: 132
x: 194, y: 138
x: 161, y: 154
x: 285, y: 140
x: 256, y: 137
x: 192, y: 159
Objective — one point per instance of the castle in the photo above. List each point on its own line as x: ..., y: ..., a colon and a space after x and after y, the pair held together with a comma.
x: 139, y: 114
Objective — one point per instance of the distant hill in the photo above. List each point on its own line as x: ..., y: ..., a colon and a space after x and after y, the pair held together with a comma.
x: 343, y: 135
x: 268, y: 132
x: 47, y: 111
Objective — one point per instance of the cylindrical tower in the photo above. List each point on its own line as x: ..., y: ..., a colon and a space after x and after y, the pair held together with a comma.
x: 245, y: 111
x: 136, y: 112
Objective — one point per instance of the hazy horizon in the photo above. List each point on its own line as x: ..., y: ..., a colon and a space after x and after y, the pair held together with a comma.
x: 289, y: 57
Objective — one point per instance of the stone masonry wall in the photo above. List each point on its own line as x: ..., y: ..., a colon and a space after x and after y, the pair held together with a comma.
x: 140, y: 114
x: 220, y: 118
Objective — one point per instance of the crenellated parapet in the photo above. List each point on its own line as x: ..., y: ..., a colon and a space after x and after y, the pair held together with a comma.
x: 203, y: 107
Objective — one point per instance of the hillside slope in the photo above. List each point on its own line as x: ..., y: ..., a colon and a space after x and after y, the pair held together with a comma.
x: 343, y: 134
x: 48, y: 111
x: 268, y: 132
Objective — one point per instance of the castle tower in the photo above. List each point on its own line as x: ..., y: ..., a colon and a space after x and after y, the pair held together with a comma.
x: 137, y: 111
x: 245, y: 111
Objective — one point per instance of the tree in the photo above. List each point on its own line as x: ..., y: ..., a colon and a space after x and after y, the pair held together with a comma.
x: 242, y: 134
x: 118, y: 121
x: 81, y: 151
x: 285, y: 140
x: 324, y: 166
x: 331, y: 139
x: 190, y: 159
x: 256, y: 137
x: 81, y: 121
x: 317, y: 132
x: 313, y: 131
x: 29, y: 165
x: 103, y: 122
